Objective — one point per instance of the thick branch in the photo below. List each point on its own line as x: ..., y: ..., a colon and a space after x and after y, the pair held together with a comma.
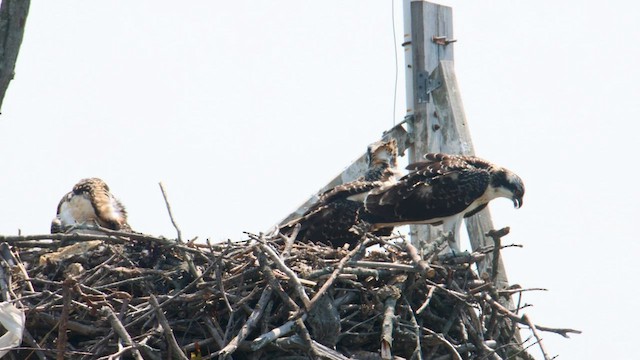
x: 121, y: 331
x: 13, y: 17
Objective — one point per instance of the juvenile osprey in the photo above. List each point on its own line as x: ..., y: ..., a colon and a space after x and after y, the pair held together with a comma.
x: 90, y: 201
x: 444, y: 189
x: 338, y: 209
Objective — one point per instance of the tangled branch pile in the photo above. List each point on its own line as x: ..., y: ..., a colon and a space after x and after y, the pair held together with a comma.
x: 135, y: 296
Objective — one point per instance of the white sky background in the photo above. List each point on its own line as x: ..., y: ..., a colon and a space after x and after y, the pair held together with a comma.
x: 244, y: 109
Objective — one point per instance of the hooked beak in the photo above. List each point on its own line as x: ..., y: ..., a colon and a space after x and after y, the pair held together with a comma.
x: 517, y: 202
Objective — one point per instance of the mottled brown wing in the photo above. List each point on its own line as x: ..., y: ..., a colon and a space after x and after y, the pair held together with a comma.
x: 430, y: 192
x: 437, y: 164
x: 110, y: 211
x: 330, y: 223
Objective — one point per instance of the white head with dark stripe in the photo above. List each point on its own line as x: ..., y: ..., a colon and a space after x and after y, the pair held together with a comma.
x: 507, y: 184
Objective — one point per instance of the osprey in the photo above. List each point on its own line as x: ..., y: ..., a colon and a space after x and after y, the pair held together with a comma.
x: 90, y: 201
x: 443, y: 189
x: 338, y: 209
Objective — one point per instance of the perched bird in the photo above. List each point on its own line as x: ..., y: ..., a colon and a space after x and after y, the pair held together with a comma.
x: 443, y: 189
x: 90, y: 201
x: 338, y: 209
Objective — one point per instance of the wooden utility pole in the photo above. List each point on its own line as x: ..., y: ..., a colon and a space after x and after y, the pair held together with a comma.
x: 434, y: 105
x: 423, y: 22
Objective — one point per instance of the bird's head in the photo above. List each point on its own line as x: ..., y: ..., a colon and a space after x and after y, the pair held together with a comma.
x: 90, y: 184
x: 509, y: 185
x: 383, y: 152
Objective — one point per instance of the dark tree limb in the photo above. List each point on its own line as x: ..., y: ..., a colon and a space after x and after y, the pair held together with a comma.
x: 119, y: 329
x: 13, y: 17
x: 168, y: 332
x: 248, y: 326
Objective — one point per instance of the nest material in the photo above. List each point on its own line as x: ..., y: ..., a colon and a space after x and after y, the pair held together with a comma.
x: 140, y: 297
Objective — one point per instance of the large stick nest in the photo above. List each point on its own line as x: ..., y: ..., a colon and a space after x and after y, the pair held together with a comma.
x: 135, y: 296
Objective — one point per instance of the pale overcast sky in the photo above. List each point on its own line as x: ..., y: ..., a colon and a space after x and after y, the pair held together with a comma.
x: 244, y: 109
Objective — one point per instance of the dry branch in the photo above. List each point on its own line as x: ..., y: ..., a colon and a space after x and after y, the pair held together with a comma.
x: 167, y: 330
x: 168, y: 205
x: 121, y: 331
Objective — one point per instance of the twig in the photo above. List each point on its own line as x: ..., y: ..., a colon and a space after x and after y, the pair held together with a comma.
x: 526, y: 318
x: 248, y: 325
x: 264, y: 339
x: 514, y: 327
x: 496, y: 235
x: 221, y: 286
x: 303, y: 332
x: 420, y: 262
x: 292, y: 275
x: 289, y: 240
x: 447, y: 344
x: 215, y: 334
x: 64, y: 319
x: 192, y: 268
x: 174, y: 296
x: 325, y: 352
x: 13, y: 259
x: 352, y: 273
x: 117, y: 326
x: 74, y: 326
x: 336, y: 272
x: 433, y: 248
x: 386, y: 339
x: 475, y: 332
x: 518, y: 290
x: 275, y: 285
x: 424, y: 305
x: 521, y: 320
x: 117, y: 354
x: 417, y: 352
x: 384, y: 265
x: 173, y: 221
x: 112, y: 236
x: 168, y: 332
x: 28, y: 338
x: 320, y: 351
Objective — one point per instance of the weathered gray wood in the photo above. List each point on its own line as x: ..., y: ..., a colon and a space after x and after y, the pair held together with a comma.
x: 427, y: 21
x: 450, y: 133
x: 13, y: 16
x: 353, y: 171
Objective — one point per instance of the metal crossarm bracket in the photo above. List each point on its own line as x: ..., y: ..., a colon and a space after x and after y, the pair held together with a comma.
x: 425, y: 86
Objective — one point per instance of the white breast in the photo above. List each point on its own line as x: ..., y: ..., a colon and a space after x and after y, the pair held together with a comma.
x: 78, y: 209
